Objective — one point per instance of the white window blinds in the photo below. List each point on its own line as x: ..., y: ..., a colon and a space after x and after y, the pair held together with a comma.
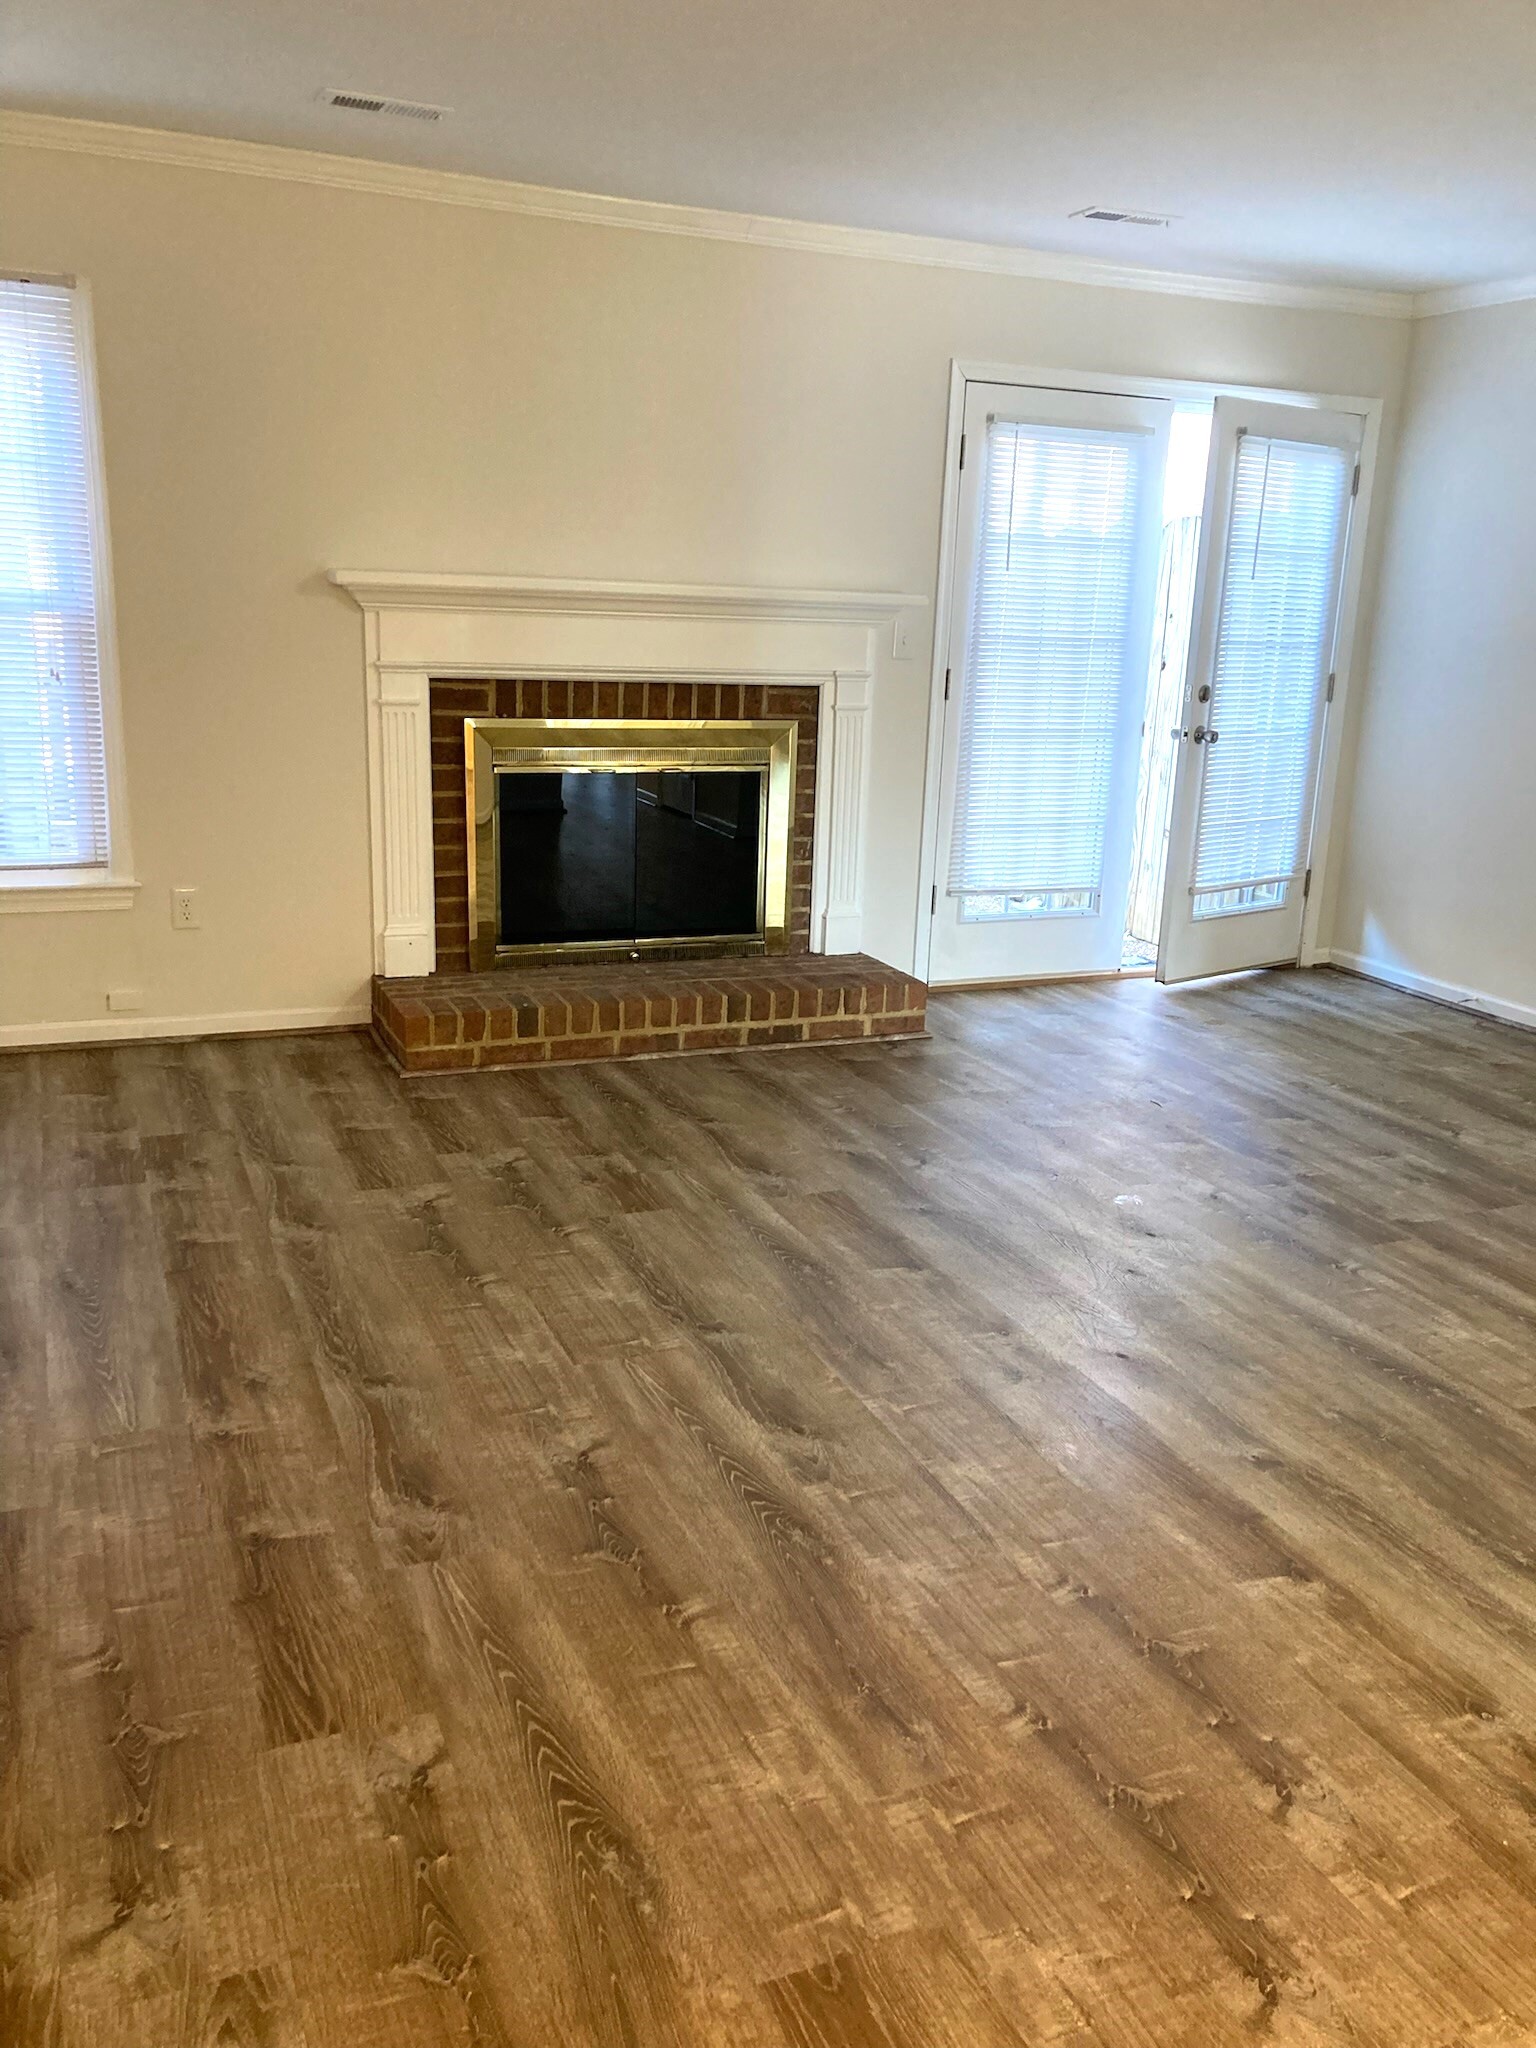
x: 1046, y: 659
x: 1274, y: 640
x: 53, y: 791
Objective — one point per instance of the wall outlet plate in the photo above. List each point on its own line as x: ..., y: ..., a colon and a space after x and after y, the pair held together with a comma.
x: 184, y: 917
x: 130, y: 1000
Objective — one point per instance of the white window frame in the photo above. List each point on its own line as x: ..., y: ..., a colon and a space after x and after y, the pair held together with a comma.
x: 1324, y: 838
x: 112, y: 886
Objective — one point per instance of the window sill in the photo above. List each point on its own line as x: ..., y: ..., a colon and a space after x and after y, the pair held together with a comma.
x: 29, y: 892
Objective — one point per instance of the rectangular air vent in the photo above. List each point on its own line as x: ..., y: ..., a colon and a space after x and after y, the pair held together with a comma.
x: 376, y: 103
x: 1117, y: 215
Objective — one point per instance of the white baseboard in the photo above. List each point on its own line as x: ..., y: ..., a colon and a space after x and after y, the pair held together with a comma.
x: 1485, y: 1005
x: 229, y: 1024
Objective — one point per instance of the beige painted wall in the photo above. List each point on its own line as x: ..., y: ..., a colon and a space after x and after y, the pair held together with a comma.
x: 294, y: 378
x: 1440, y: 876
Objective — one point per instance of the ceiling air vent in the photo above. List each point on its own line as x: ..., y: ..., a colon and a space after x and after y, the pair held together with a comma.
x: 375, y: 103
x: 1117, y: 215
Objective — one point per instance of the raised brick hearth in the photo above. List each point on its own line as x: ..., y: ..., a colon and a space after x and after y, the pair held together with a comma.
x: 443, y: 1023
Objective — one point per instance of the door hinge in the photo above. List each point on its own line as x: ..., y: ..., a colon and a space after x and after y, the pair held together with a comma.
x: 962, y: 451
x: 946, y: 686
x: 1332, y: 679
x: 1306, y: 885
x: 933, y: 901
x: 1354, y: 488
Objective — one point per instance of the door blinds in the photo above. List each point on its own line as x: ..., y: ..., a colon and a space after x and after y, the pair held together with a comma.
x: 53, y: 794
x: 1274, y: 642
x: 1046, y: 659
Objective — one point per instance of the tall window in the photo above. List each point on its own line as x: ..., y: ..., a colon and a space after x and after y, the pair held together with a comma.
x: 56, y: 808
x: 1275, y: 628
x: 1048, y: 652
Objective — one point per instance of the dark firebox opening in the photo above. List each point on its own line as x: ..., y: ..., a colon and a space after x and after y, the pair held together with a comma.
x: 606, y: 858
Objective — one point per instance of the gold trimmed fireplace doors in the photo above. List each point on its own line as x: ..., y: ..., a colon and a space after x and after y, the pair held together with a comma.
x: 671, y: 760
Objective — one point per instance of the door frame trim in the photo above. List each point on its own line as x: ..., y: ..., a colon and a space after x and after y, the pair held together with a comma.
x: 963, y: 372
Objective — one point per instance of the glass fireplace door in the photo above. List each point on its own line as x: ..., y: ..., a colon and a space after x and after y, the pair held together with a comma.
x: 602, y: 857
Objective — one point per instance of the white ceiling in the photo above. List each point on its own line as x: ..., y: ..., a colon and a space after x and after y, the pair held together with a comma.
x: 1385, y: 143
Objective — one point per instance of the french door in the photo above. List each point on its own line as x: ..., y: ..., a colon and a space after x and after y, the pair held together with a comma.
x: 1279, y: 497
x: 1059, y: 522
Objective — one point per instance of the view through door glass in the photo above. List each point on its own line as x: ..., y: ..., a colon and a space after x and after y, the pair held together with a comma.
x: 1167, y: 673
x: 1056, y: 578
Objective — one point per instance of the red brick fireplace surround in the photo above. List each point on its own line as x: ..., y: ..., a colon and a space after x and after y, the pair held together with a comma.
x: 452, y: 703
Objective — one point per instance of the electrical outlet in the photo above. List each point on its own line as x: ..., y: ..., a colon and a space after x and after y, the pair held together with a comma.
x: 127, y: 999
x: 184, y: 917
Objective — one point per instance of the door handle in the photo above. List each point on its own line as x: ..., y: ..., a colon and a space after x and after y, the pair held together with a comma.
x: 1206, y: 734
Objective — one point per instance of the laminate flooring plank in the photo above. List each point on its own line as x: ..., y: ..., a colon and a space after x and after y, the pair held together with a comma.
x: 601, y: 1874
x: 108, y: 1315
x: 353, y: 1932
x: 30, y: 1935
x: 26, y: 1416
x: 164, y: 1891
x: 900, y: 1992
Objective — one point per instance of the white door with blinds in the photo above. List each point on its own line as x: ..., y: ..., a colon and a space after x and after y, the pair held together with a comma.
x: 54, y: 796
x: 1280, y: 494
x: 1056, y: 572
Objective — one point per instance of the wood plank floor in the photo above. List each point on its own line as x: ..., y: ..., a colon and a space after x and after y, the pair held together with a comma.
x: 1025, y: 1539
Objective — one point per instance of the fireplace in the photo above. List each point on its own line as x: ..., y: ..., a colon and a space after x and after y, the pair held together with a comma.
x: 598, y: 650
x: 784, y: 881
x: 657, y: 837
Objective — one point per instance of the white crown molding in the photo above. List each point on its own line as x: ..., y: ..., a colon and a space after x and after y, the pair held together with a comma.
x: 499, y: 195
x: 427, y: 590
x: 1467, y: 298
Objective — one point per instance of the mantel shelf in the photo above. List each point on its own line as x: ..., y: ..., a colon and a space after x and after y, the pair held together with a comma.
x: 430, y: 590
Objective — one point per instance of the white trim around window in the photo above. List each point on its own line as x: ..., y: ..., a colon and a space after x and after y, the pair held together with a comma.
x: 111, y: 884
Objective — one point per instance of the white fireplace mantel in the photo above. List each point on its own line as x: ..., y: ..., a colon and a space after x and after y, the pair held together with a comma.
x: 424, y: 626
